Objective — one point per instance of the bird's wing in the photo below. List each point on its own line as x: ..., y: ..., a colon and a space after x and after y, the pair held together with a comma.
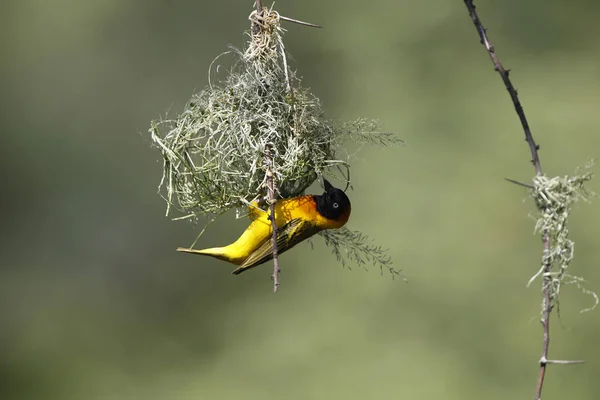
x: 288, y: 236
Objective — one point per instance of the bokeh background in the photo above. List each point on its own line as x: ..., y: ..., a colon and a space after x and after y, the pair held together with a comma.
x: 96, y: 304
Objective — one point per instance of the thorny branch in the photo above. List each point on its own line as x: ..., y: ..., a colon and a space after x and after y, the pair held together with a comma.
x: 270, y: 183
x: 269, y: 160
x: 271, y: 192
x: 533, y: 147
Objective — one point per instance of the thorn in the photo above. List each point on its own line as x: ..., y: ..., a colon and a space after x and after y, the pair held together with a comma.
x: 299, y: 22
x: 519, y: 183
x: 537, y: 146
x: 544, y: 361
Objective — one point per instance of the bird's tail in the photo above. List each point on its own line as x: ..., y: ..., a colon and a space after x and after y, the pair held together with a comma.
x: 217, y: 252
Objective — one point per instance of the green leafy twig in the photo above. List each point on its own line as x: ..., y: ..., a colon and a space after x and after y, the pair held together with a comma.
x: 355, y: 247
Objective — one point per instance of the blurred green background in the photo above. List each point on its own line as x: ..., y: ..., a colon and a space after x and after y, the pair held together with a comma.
x: 96, y: 304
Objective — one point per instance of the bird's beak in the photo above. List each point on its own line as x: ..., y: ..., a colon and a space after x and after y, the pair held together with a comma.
x: 328, y: 186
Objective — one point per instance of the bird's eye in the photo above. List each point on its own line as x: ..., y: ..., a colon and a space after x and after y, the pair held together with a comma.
x: 335, y: 205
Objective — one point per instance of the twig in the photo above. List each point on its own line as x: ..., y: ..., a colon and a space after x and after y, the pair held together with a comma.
x: 259, y: 10
x: 533, y: 147
x: 547, y: 309
x: 271, y: 194
x: 270, y: 183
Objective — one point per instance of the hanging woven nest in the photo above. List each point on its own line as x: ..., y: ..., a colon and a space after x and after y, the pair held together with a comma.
x: 214, y: 152
x: 257, y: 116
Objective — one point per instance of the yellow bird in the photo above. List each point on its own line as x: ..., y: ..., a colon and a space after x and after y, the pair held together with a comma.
x: 297, y: 219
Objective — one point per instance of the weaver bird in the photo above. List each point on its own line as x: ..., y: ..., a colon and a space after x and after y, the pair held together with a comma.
x: 297, y: 219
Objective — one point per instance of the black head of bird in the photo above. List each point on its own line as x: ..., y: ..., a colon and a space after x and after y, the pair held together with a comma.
x: 333, y: 203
